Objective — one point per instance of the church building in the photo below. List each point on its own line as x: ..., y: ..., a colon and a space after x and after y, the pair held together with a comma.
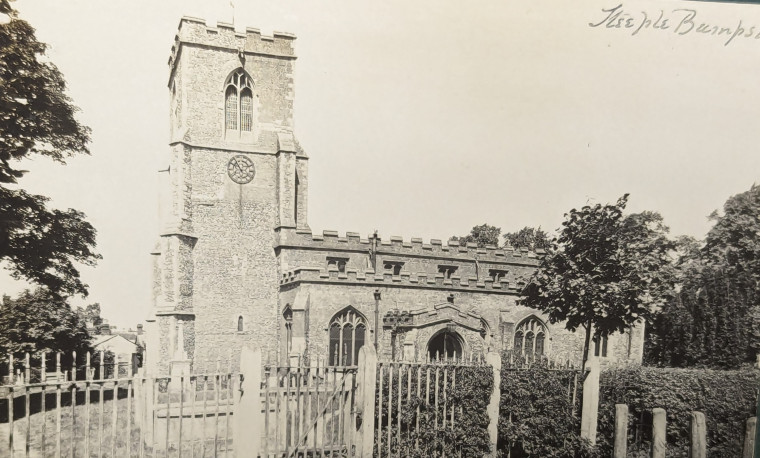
x: 236, y: 263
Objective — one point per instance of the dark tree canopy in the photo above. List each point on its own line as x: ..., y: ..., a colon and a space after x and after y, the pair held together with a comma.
x: 90, y: 314
x: 530, y: 238
x: 734, y: 240
x: 37, y: 118
x: 609, y: 271
x: 483, y: 235
x: 714, y: 319
x: 40, y: 321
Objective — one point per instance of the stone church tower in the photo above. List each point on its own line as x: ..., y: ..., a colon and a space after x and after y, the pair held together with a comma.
x: 236, y: 263
x: 232, y: 177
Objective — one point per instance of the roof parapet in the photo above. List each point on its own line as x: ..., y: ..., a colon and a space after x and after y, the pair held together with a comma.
x: 369, y: 277
x: 331, y: 239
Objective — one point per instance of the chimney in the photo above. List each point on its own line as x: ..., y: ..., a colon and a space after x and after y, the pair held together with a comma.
x: 139, y: 329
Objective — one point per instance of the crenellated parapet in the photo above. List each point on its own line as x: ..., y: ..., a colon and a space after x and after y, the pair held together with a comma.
x: 195, y: 31
x: 331, y: 240
x: 426, y: 280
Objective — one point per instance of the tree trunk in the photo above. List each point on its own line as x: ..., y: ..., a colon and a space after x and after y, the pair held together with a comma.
x: 586, y: 345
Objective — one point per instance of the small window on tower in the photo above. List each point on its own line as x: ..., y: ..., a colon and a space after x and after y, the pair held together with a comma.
x: 287, y: 315
x: 240, y: 327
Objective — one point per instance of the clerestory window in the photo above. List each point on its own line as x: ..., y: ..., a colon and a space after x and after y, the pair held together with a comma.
x: 238, y: 102
x: 339, y: 263
x: 497, y: 274
x: 447, y: 271
x: 394, y: 267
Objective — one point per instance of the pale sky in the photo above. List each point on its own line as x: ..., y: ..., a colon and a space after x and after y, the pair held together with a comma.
x: 422, y: 118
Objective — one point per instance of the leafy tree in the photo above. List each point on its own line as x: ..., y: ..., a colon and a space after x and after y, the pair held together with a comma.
x: 40, y: 321
x: 530, y: 238
x: 714, y: 320
x: 734, y: 240
x: 483, y: 235
x: 608, y: 272
x: 90, y: 314
x: 37, y: 118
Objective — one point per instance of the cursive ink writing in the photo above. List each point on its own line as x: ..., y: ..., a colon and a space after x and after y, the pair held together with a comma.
x: 680, y: 21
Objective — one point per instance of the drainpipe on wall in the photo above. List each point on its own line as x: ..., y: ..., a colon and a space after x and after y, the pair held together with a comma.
x: 377, y: 316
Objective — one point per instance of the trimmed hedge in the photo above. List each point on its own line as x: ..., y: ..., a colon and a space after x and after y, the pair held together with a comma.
x: 469, y: 435
x: 727, y: 398
x: 537, y: 417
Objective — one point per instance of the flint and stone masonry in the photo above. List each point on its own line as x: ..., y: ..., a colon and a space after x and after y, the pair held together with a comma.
x: 236, y: 263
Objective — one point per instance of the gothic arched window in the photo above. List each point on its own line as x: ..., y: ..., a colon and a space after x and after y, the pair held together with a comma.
x: 530, y: 336
x: 238, y: 102
x: 348, y: 331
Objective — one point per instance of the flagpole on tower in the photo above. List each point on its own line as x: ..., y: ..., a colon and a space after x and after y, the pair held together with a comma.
x: 233, y: 13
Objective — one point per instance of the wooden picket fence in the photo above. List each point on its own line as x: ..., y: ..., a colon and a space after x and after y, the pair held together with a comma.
x: 68, y: 406
x: 96, y: 406
x: 308, y: 410
x: 401, y: 383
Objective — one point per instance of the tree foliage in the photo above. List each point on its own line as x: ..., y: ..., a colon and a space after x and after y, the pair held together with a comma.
x: 609, y: 271
x: 714, y: 320
x: 483, y: 235
x: 40, y: 321
x: 90, y: 314
x: 530, y: 238
x: 37, y: 118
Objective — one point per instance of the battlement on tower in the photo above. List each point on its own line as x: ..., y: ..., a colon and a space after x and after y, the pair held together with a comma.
x: 331, y: 240
x: 195, y: 31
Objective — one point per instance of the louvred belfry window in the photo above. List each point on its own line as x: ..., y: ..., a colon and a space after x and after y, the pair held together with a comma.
x: 231, y: 109
x: 238, y: 102
x: 347, y: 335
x: 246, y: 110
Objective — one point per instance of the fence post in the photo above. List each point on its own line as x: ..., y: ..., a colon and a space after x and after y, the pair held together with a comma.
x: 659, y: 433
x: 494, y: 360
x: 621, y: 431
x: 757, y: 430
x: 247, y: 415
x: 698, y: 443
x: 365, y: 400
x: 590, y: 408
x: 749, y: 438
